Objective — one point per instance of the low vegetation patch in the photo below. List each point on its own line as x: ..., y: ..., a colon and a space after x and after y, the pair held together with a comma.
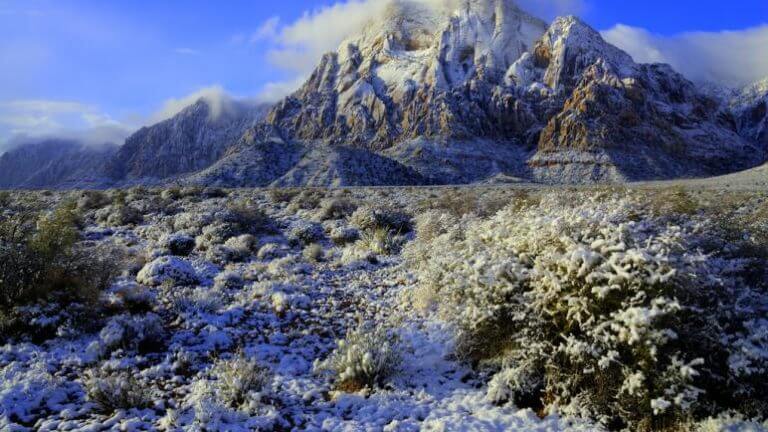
x: 584, y: 307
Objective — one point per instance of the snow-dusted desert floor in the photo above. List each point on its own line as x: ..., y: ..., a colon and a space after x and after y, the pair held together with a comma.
x: 227, y: 306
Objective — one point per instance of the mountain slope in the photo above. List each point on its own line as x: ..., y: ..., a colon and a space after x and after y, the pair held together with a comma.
x: 191, y: 141
x: 54, y: 163
x: 751, y: 109
x: 574, y: 107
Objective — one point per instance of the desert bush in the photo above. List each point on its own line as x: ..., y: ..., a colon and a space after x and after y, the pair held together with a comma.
x: 336, y: 208
x: 380, y: 241
x: 228, y: 280
x: 313, y: 253
x: 676, y: 200
x: 167, y: 269
x: 457, y: 203
x: 177, y: 244
x: 282, y: 195
x: 250, y: 217
x: 117, y: 391
x: 368, y: 218
x: 40, y: 258
x: 366, y: 358
x: 305, y: 232
x: 5, y: 199
x: 119, y: 214
x: 581, y: 307
x: 341, y: 236
x: 308, y: 199
x: 92, y: 200
x: 239, y: 381
x: 141, y: 333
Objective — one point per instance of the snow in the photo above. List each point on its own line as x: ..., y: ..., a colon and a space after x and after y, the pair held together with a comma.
x: 167, y: 269
x: 182, y: 334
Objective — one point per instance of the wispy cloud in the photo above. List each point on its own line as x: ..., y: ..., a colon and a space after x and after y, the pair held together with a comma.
x: 187, y: 51
x: 269, y: 30
x: 44, y: 118
x: 730, y: 57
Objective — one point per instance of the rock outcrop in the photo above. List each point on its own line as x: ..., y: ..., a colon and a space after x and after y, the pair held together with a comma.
x: 190, y: 141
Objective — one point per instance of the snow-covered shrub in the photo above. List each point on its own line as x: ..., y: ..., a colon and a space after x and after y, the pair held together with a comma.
x: 729, y: 423
x: 119, y: 215
x: 197, y: 300
x: 432, y: 224
x: 191, y: 221
x: 313, y: 253
x: 358, y: 254
x: 167, y: 269
x: 367, y: 358
x: 380, y: 241
x: 235, y: 249
x: 306, y: 232
x: 249, y: 217
x: 92, y: 200
x: 341, y: 236
x: 239, y: 381
x: 336, y: 208
x: 282, y: 195
x: 308, y: 199
x: 215, y: 234
x: 5, y: 199
x: 272, y: 251
x: 129, y: 296
x: 590, y: 309
x: 228, y: 280
x: 177, y: 244
x: 112, y: 391
x: 368, y: 218
x: 142, y: 333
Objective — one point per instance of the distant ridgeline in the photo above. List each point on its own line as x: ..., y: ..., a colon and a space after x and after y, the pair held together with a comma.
x: 426, y: 96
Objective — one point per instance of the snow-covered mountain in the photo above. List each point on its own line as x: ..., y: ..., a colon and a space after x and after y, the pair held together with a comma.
x: 465, y: 91
x: 485, y: 89
x: 751, y: 108
x: 54, y: 163
x: 190, y: 141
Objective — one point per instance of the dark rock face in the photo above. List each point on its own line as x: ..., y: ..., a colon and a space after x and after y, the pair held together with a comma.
x: 750, y: 108
x: 54, y: 163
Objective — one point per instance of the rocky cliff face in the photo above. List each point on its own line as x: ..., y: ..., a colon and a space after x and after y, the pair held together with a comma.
x: 573, y: 107
x: 750, y: 106
x: 191, y: 141
x: 53, y: 163
x: 420, y: 72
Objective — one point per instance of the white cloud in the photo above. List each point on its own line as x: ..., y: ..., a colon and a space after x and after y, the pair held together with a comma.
x: 275, y: 91
x: 267, y: 31
x: 300, y: 44
x: 729, y: 57
x: 47, y: 118
x: 215, y: 95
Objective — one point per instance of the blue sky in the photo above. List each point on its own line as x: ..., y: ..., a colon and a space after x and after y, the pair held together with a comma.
x: 78, y: 64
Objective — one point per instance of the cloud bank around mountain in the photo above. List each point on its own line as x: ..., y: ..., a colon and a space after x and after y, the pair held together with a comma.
x: 734, y: 58
x: 297, y: 46
x: 726, y: 57
x: 22, y: 121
